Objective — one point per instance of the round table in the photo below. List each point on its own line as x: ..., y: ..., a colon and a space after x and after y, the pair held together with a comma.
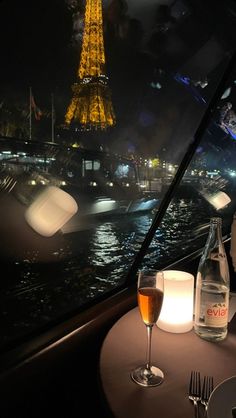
x: 124, y: 348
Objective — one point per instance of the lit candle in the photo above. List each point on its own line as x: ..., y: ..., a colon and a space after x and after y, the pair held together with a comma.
x: 177, y: 309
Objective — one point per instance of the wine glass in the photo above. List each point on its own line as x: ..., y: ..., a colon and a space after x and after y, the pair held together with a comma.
x: 150, y: 296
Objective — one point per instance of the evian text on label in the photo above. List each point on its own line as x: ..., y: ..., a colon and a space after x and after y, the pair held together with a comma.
x: 216, y: 314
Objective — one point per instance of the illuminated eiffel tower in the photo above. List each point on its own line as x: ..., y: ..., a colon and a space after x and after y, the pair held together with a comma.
x: 91, y: 105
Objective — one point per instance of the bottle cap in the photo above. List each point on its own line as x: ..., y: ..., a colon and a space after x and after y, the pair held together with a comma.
x: 216, y: 220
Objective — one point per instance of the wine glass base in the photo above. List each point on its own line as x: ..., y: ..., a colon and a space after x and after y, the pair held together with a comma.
x: 144, y: 377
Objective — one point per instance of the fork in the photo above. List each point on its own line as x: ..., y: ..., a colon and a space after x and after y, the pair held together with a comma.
x: 195, y: 391
x: 207, y: 388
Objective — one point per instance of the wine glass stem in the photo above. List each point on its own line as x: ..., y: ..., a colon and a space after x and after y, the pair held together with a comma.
x: 149, y: 338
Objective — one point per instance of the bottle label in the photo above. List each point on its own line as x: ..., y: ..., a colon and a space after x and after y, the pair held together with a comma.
x: 216, y: 314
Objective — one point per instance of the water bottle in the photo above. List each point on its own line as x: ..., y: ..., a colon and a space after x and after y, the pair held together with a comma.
x: 212, y: 287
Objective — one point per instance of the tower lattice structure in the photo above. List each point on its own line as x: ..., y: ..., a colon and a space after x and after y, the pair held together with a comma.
x: 91, y: 106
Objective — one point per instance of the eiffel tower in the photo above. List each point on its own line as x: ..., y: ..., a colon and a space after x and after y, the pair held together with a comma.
x: 91, y: 106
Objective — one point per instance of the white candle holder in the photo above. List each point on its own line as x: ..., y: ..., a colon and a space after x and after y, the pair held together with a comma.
x: 177, y: 309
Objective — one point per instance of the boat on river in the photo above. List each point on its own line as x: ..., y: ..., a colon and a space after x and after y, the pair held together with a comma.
x: 101, y: 183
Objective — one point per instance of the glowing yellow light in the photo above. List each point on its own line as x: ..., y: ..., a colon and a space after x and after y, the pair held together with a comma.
x: 177, y: 309
x: 91, y: 105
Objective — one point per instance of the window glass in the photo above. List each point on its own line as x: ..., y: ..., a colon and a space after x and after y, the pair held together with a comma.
x: 207, y: 188
x: 93, y: 128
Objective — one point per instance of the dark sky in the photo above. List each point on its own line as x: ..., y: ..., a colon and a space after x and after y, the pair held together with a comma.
x: 35, y: 39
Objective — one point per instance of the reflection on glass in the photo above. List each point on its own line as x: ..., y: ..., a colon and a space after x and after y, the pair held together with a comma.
x: 50, y: 211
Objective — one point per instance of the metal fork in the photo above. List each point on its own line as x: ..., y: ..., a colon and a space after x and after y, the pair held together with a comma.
x: 207, y: 388
x: 195, y: 391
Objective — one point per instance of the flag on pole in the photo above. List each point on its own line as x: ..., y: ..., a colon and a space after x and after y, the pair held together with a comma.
x: 37, y: 112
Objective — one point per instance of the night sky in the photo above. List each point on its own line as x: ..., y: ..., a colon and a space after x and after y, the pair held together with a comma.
x: 36, y: 45
x: 40, y: 47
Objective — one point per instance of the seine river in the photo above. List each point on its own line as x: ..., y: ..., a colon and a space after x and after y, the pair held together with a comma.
x: 93, y: 262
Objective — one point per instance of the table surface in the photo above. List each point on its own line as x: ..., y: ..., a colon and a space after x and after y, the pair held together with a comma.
x: 124, y: 348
